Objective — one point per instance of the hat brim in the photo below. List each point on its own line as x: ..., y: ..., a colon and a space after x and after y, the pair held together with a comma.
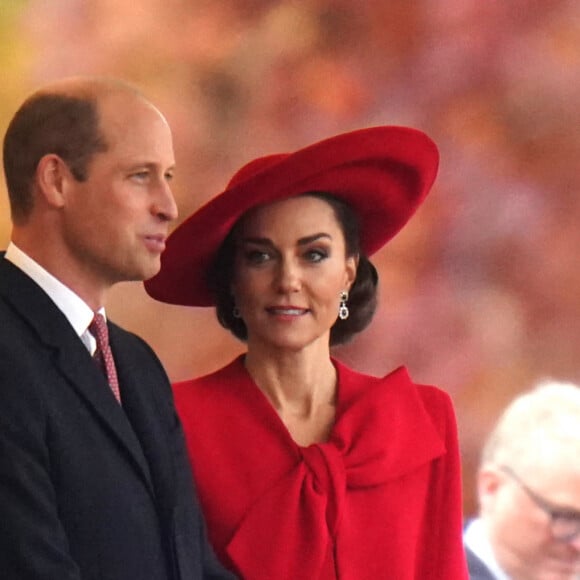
x: 383, y: 173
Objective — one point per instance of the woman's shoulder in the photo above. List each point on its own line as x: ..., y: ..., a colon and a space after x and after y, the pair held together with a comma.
x: 389, y: 415
x: 225, y: 375
x: 394, y: 388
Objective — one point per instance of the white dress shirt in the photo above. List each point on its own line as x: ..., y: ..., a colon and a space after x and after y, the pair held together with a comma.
x: 76, y: 310
x: 475, y: 538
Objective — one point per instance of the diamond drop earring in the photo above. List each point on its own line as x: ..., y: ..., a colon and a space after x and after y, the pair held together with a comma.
x: 343, y: 308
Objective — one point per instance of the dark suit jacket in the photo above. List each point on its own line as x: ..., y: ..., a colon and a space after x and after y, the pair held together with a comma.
x: 89, y: 489
x: 477, y: 569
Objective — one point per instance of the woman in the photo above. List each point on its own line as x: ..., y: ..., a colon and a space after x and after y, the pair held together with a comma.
x: 307, y: 469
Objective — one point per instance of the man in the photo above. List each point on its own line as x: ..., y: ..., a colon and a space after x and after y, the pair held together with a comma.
x: 93, y: 475
x: 529, y: 491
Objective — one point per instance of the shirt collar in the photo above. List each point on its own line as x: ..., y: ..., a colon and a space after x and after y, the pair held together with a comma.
x: 77, y: 312
x: 477, y: 540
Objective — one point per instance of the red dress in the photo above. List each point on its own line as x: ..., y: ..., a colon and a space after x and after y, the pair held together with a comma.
x: 380, y: 500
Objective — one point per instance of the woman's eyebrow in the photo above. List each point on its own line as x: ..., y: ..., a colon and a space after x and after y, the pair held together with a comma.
x: 313, y: 238
x: 301, y: 241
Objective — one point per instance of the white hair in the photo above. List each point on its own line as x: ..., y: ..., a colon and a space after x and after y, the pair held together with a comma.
x: 538, y: 426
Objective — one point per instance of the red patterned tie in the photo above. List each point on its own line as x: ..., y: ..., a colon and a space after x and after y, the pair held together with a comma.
x: 103, y: 355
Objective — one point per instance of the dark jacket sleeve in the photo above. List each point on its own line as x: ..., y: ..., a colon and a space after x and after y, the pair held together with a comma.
x: 192, y: 554
x: 33, y: 543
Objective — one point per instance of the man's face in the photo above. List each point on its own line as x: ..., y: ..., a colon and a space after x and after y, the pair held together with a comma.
x: 521, y: 531
x: 115, y: 223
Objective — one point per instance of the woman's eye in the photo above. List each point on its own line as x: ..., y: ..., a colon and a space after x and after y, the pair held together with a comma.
x: 257, y: 256
x: 316, y: 255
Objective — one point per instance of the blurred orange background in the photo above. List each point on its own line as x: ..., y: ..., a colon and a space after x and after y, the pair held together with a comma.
x: 480, y: 294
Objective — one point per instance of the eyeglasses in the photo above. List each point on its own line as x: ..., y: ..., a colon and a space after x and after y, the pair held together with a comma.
x: 564, y: 522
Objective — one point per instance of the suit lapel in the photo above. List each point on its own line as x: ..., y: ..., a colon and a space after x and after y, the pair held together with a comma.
x: 152, y: 418
x: 71, y: 357
x: 91, y: 384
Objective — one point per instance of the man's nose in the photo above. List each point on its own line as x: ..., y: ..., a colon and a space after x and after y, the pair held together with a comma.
x: 165, y: 206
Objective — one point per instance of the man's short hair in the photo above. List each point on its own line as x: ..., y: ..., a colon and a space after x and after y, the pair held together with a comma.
x: 537, y: 424
x: 65, y: 125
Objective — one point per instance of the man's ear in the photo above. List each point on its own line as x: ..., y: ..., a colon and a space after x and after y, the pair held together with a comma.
x: 489, y: 480
x: 52, y: 175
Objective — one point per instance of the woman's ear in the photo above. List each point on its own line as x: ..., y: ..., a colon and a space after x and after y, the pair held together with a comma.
x: 351, y: 269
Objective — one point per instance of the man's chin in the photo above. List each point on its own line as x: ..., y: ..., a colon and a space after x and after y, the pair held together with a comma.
x: 149, y: 269
x: 141, y: 272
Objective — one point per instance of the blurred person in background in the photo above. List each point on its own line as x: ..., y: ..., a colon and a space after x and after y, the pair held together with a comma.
x: 94, y: 476
x: 529, y: 491
x: 306, y: 468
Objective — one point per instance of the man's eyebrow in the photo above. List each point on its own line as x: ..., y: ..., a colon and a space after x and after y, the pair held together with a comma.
x: 563, y: 511
x: 140, y: 163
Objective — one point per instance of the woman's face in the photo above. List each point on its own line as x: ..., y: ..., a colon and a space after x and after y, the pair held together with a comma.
x: 290, y: 268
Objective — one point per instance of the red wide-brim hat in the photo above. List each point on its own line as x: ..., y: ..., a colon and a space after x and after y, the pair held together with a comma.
x: 383, y: 173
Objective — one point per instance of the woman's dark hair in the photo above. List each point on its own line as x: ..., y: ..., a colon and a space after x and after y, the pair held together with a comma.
x: 362, y: 300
